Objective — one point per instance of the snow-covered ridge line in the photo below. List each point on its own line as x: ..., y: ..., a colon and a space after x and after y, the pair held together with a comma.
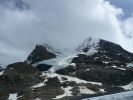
x: 2, y: 72
x: 89, y: 46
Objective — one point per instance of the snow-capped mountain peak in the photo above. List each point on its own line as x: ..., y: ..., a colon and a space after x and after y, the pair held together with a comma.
x: 89, y: 46
x: 40, y: 53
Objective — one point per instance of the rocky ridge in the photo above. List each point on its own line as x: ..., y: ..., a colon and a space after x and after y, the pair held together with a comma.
x: 96, y: 67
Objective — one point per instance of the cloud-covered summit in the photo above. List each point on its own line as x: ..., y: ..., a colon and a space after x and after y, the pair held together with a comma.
x: 61, y: 23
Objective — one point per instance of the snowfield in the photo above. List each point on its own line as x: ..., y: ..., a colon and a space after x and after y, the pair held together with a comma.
x: 130, y: 65
x: 13, y: 96
x: 84, y: 90
x: 128, y: 87
x: 2, y: 72
x: 119, y: 96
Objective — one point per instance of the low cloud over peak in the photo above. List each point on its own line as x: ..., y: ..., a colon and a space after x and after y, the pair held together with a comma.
x: 61, y: 23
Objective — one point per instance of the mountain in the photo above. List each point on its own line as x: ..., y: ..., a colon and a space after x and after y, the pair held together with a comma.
x: 105, y: 52
x: 40, y: 53
x: 101, y: 61
x: 95, y: 67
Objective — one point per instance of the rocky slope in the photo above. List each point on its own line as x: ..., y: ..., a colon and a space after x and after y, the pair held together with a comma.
x: 101, y: 61
x: 40, y: 53
x: 96, y: 67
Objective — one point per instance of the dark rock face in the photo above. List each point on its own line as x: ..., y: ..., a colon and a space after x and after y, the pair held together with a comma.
x: 40, y: 53
x: 67, y: 71
x: 107, y: 53
x: 18, y: 77
x: 20, y: 68
x: 43, y: 67
x: 104, y: 70
x: 99, y: 66
x: 47, y: 92
x: 98, y: 73
x: 114, y: 52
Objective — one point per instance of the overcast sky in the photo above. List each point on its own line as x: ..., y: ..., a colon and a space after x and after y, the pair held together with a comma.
x: 63, y: 23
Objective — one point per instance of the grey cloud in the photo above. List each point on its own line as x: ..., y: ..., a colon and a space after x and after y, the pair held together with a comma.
x: 63, y: 23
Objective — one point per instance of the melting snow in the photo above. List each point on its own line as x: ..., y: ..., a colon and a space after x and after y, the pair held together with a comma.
x: 69, y: 78
x: 13, y: 96
x: 91, y: 44
x: 2, y: 72
x: 84, y: 90
x: 37, y: 99
x: 114, y: 66
x: 105, y: 62
x: 40, y: 84
x: 102, y: 90
x: 73, y: 64
x: 67, y: 92
x: 121, y: 68
x: 130, y: 65
x: 128, y: 87
x: 118, y: 68
x: 87, y: 69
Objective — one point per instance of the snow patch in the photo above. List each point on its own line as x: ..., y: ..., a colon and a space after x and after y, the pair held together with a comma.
x: 128, y: 87
x: 37, y: 99
x: 69, y: 78
x: 130, y: 65
x: 13, y: 96
x: 105, y: 62
x: 87, y: 69
x: 40, y: 84
x: 114, y: 66
x: 118, y: 68
x: 67, y: 92
x: 102, y: 90
x: 73, y: 64
x: 11, y: 68
x: 2, y: 72
x: 84, y: 90
x: 121, y: 68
